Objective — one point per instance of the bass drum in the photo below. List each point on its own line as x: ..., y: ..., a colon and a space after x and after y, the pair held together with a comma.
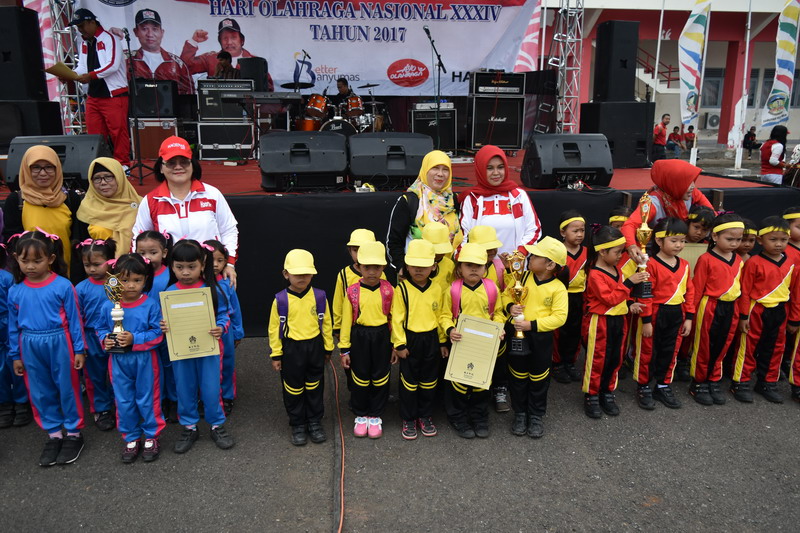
x: 339, y: 125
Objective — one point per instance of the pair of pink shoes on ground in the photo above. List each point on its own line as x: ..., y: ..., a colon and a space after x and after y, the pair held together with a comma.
x: 372, y: 427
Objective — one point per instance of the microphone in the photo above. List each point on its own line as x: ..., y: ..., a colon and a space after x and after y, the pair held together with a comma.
x: 427, y: 31
x: 125, y: 32
x: 325, y: 92
x: 306, y: 53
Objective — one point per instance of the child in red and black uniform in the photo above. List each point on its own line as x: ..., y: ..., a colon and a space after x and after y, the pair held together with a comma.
x: 567, y: 339
x: 618, y: 216
x: 748, y: 239
x: 792, y: 251
x: 768, y: 281
x: 666, y: 318
x: 606, y: 301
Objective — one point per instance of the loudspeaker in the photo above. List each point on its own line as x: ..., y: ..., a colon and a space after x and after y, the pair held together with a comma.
x: 21, y: 65
x: 425, y: 122
x: 210, y: 104
x: 300, y: 159
x: 75, y: 152
x: 615, y: 61
x: 28, y: 117
x: 627, y: 138
x: 155, y: 98
x: 254, y: 68
x: 497, y: 121
x: 391, y: 156
x: 556, y: 160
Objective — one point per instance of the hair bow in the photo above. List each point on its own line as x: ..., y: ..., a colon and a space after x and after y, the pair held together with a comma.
x: 208, y: 247
x: 166, y: 235
x: 17, y: 235
x: 112, y: 263
x: 146, y: 260
x: 720, y: 213
x: 595, y: 227
x: 51, y: 236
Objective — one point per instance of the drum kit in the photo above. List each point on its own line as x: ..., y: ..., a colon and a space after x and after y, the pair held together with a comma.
x: 353, y: 115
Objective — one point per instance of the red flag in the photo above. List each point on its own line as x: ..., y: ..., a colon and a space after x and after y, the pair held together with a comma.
x: 528, y: 56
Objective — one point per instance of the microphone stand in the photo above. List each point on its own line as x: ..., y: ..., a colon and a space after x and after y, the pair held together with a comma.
x: 439, y: 69
x: 135, y: 112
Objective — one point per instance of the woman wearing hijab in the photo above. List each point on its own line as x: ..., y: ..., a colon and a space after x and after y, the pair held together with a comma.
x: 498, y: 202
x: 43, y: 202
x: 674, y: 195
x: 429, y: 199
x: 111, y: 204
x: 772, y: 155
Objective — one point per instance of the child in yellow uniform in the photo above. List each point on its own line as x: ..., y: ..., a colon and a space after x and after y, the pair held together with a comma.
x: 474, y: 295
x: 365, y: 343
x: 543, y: 310
x: 438, y: 235
x: 418, y: 340
x: 348, y: 275
x: 301, y: 341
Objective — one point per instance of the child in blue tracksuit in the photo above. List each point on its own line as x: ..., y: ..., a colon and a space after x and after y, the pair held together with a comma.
x: 15, y: 409
x: 92, y: 299
x: 235, y: 334
x: 192, y: 267
x: 135, y: 372
x: 47, y: 344
x: 155, y: 247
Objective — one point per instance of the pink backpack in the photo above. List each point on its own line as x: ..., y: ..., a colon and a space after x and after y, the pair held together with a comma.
x: 458, y: 286
x: 354, y: 294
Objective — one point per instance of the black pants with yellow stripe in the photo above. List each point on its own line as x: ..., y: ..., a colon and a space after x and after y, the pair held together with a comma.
x: 302, y: 373
x: 419, y: 374
x: 529, y: 374
x: 370, y: 366
x: 464, y: 403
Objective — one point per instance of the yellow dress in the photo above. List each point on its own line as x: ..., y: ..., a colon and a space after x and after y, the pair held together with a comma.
x: 57, y: 220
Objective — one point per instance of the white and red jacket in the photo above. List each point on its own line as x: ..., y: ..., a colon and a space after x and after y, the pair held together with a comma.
x: 511, y: 214
x: 204, y: 214
x: 112, y: 63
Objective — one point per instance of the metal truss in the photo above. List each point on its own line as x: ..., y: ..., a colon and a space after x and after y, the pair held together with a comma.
x: 566, y: 49
x: 72, y: 102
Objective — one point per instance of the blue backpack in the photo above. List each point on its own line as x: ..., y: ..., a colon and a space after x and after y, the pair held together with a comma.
x: 282, y: 298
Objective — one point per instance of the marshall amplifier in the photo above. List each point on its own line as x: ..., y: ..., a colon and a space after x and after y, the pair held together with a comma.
x: 497, y: 121
x: 425, y: 122
x: 210, y: 104
x: 497, y: 84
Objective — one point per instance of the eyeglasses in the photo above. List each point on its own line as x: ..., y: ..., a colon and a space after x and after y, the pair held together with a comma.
x: 178, y: 161
x: 103, y: 178
x: 36, y: 169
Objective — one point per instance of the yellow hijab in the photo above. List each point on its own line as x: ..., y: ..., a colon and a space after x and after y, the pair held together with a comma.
x: 435, y: 206
x: 117, y: 213
x: 51, y: 196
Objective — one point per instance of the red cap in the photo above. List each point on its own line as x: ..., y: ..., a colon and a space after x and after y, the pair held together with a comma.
x: 174, y: 146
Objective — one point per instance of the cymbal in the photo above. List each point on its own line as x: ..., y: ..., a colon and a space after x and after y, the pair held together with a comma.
x: 298, y: 85
x: 374, y: 102
x: 368, y: 86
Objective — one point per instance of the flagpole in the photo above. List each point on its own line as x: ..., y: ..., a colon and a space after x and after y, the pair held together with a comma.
x: 693, y: 156
x: 543, y: 19
x: 743, y: 117
x: 658, y: 45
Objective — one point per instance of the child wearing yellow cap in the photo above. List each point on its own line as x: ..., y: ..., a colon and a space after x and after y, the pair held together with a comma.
x: 542, y: 310
x: 438, y: 235
x: 301, y: 341
x: 365, y: 343
x: 418, y: 339
x: 472, y: 294
x: 348, y: 275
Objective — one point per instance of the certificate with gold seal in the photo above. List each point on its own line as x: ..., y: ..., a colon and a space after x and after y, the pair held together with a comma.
x: 472, y: 359
x: 189, y: 314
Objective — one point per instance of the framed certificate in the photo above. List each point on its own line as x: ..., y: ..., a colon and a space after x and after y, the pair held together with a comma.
x: 472, y: 359
x: 189, y: 314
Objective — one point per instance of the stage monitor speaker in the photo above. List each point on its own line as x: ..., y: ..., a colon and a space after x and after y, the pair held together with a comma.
x: 301, y: 160
x: 497, y: 121
x: 21, y: 65
x: 155, y: 98
x: 627, y: 138
x: 254, y: 68
x: 615, y: 61
x: 558, y: 160
x: 388, y: 159
x: 75, y: 151
x: 28, y: 117
x: 425, y: 122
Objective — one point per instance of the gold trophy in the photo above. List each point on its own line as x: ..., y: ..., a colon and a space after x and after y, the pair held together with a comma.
x: 643, y: 234
x: 518, y: 293
x: 113, y: 289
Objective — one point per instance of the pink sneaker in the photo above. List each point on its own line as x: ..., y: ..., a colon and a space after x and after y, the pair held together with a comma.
x: 360, y: 429
x: 375, y: 428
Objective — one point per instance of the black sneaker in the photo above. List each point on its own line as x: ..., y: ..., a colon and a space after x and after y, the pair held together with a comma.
x: 50, y: 452
x: 560, y: 374
x: 591, y: 406
x: 644, y: 397
x: 520, y: 424
x: 71, y: 449
x: 185, y: 441
x: 717, y: 396
x: 463, y: 429
x: 6, y: 415
x: 574, y: 373
x: 105, y: 421
x: 481, y: 429
x: 769, y: 390
x: 130, y: 452
x: 426, y: 427
x: 700, y: 393
x: 608, y: 404
x: 299, y: 435
x: 666, y: 396
x: 741, y: 391
x: 222, y: 438
x: 501, y: 400
x: 23, y: 415
x: 409, y: 429
x: 535, y: 427
x: 150, y: 450
x: 682, y: 370
x: 227, y: 407
x: 316, y: 433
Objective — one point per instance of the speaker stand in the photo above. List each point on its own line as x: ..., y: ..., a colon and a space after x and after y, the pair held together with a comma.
x: 138, y: 165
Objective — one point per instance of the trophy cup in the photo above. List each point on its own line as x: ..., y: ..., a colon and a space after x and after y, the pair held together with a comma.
x: 517, y: 292
x: 645, y: 288
x: 113, y: 289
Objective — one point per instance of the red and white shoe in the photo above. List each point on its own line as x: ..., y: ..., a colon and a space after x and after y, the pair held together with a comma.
x: 361, y: 429
x: 375, y: 428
